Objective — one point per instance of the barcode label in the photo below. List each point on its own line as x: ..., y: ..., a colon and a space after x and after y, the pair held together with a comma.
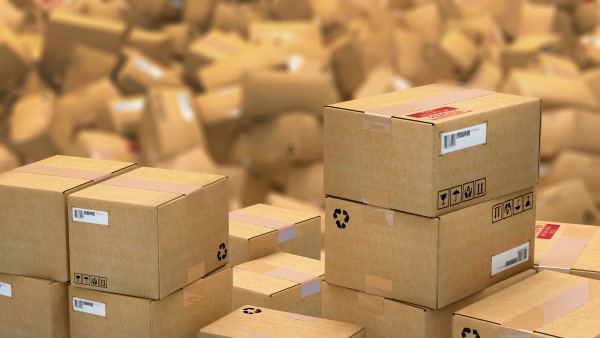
x: 6, y: 290
x: 88, y: 306
x: 464, y: 138
x: 90, y: 216
x: 510, y: 258
x: 149, y: 69
x: 131, y: 105
x: 186, y: 108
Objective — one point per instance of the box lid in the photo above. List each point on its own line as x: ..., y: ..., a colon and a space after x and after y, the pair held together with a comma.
x: 261, y: 219
x: 149, y: 186
x: 61, y: 173
x: 277, y: 272
x: 432, y: 104
x: 251, y: 321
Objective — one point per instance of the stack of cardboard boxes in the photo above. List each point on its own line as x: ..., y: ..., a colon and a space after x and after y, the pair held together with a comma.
x: 430, y: 204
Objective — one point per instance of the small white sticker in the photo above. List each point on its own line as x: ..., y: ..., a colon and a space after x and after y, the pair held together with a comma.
x: 510, y: 258
x: 5, y: 290
x: 88, y: 306
x: 464, y: 138
x: 123, y: 106
x: 186, y: 108
x: 153, y: 71
x: 90, y: 216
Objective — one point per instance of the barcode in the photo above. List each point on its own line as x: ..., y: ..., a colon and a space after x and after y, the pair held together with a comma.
x: 463, y: 134
x: 78, y: 214
x: 521, y: 255
x: 449, y: 141
x: 78, y: 303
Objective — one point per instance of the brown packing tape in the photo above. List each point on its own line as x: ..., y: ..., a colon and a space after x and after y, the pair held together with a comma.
x: 378, y: 286
x: 309, y: 284
x: 567, y: 248
x: 554, y: 308
x: 370, y: 302
x: 134, y: 183
x: 303, y: 318
x: 285, y: 230
x: 39, y: 169
x: 258, y: 335
x: 193, y: 293
x: 196, y: 272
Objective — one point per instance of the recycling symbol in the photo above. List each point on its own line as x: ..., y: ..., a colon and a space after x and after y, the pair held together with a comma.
x: 473, y: 333
x: 222, y: 253
x: 341, y: 218
x: 251, y: 310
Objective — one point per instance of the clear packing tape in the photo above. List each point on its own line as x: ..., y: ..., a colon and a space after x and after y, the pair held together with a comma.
x: 285, y: 230
x: 309, y: 284
x: 569, y: 245
x: 40, y: 169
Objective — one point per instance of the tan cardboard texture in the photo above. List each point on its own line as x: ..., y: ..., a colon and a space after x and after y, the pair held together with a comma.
x: 385, y: 318
x: 280, y: 281
x: 424, y: 260
x: 148, y: 233
x: 253, y: 321
x: 8, y: 159
x: 33, y: 209
x: 261, y: 230
x: 33, y: 307
x: 219, y: 106
x: 569, y: 248
x: 567, y: 201
x: 140, y: 72
x: 548, y: 304
x: 103, y: 146
x: 178, y: 315
x: 576, y: 164
x: 122, y: 115
x: 197, y: 160
x: 451, y: 147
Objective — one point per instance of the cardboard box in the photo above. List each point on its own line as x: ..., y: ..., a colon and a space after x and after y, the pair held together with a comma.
x: 536, y: 19
x: 348, y: 65
x: 267, y: 93
x: 122, y: 115
x: 386, y: 318
x: 425, y: 20
x: 293, y: 9
x: 248, y: 321
x: 196, y: 160
x: 488, y: 76
x: 178, y: 315
x: 567, y: 201
x: 168, y: 125
x: 93, y: 97
x: 379, y: 81
x: 87, y: 65
x: 198, y: 13
x: 294, y: 137
x: 33, y: 307
x: 519, y: 309
x: 423, y: 260
x: 585, y: 135
x: 109, y: 9
x: 8, y: 159
x: 555, y: 91
x: 454, y: 56
x: 554, y: 65
x: 261, y: 230
x: 576, y: 164
x: 155, y: 44
x: 13, y: 59
x: 409, y: 60
x: 148, y: 233
x: 568, y: 248
x: 387, y: 149
x: 181, y: 34
x: 280, y: 281
x: 305, y: 183
x: 220, y: 106
x: 284, y: 33
x: 139, y: 73
x: 234, y: 17
x: 36, y: 242
x: 212, y: 47
x: 523, y: 50
x: 36, y: 128
x: 103, y: 145
x: 557, y: 130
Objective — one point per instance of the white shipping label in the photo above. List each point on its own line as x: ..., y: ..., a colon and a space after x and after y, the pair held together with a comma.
x: 90, y: 216
x: 131, y: 105
x: 510, y: 258
x: 464, y: 138
x: 88, y: 306
x: 5, y: 290
x: 145, y: 66
x: 186, y: 108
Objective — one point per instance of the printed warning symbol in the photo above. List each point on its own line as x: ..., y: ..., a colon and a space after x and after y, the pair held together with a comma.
x: 507, y: 210
x: 468, y: 191
x: 496, y: 213
x: 86, y: 279
x: 443, y: 199
x: 103, y: 283
x: 94, y: 281
x: 77, y: 278
x: 480, y: 187
x: 456, y: 195
x: 528, y: 201
x: 518, y: 205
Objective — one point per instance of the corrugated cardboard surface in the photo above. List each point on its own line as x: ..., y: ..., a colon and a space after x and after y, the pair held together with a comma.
x: 253, y: 321
x: 431, y: 262
x: 577, y: 164
x: 505, y: 305
x: 413, y: 321
x: 587, y: 263
x: 38, y: 308
x: 33, y: 209
x: 567, y: 201
x: 156, y: 242
x: 407, y: 162
x: 275, y: 293
x: 174, y: 316
x: 250, y: 241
